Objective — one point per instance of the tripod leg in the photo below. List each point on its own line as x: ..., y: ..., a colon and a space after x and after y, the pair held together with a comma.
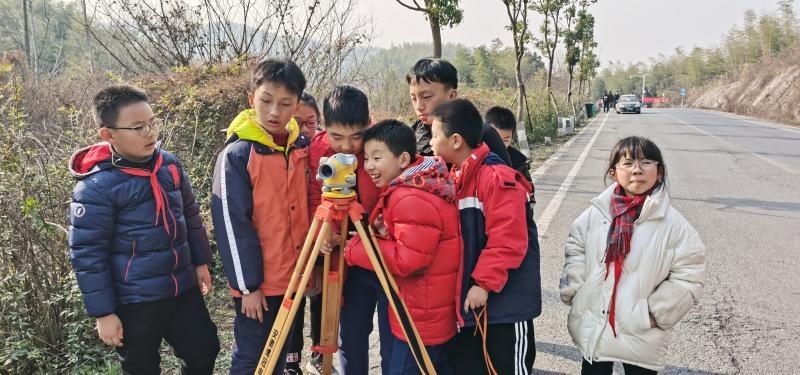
x: 332, y: 303
x: 398, y: 306
x: 285, y: 317
x: 340, y: 288
x: 303, y: 258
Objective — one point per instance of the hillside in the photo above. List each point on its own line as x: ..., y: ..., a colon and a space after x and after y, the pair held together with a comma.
x: 769, y: 90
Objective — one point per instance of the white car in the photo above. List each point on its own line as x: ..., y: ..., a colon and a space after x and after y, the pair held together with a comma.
x: 629, y: 103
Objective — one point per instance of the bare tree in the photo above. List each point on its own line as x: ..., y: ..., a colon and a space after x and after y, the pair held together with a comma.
x: 322, y: 36
x: 240, y: 28
x: 86, y: 34
x: 517, y: 11
x: 324, y: 43
x: 578, y: 36
x: 550, y: 30
x: 155, y: 35
x: 26, y: 28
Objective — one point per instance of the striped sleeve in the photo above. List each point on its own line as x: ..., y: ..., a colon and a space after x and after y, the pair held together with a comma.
x: 232, y: 212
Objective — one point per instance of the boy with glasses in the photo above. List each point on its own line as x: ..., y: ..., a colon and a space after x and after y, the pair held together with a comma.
x: 137, y: 243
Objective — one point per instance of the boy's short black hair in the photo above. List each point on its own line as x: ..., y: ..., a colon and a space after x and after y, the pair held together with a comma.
x: 501, y: 118
x: 346, y: 105
x: 110, y: 100
x: 397, y: 136
x: 460, y: 116
x: 283, y: 72
x: 432, y: 70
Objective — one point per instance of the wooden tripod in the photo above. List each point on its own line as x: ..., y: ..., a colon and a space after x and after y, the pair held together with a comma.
x: 334, y: 210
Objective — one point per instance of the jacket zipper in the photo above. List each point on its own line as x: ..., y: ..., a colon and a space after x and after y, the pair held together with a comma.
x: 130, y: 261
x: 174, y: 253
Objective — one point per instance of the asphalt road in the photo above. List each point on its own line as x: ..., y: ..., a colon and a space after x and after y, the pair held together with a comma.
x: 738, y: 182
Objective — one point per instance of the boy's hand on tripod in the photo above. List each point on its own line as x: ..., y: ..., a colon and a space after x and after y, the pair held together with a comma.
x: 254, y: 305
x: 476, y: 298
x: 109, y: 328
x: 204, y: 279
x: 380, y: 227
x: 328, y: 244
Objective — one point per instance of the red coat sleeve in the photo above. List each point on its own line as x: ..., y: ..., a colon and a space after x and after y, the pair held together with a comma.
x: 506, y: 229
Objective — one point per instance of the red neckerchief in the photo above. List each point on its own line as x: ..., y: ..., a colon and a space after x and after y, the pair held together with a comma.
x: 624, y: 210
x: 162, y: 205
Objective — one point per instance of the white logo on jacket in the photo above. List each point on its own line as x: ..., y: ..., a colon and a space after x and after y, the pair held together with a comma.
x: 79, y: 210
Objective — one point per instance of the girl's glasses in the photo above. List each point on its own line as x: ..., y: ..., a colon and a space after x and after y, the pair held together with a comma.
x: 644, y: 164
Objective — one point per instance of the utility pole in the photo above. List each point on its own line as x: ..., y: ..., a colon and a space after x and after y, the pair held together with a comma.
x: 644, y: 79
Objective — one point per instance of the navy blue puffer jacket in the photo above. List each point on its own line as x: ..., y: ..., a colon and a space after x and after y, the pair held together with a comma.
x: 126, y: 245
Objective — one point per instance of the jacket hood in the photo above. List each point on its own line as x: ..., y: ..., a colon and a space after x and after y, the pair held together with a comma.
x: 428, y: 174
x: 245, y: 126
x: 90, y: 159
x: 655, y: 206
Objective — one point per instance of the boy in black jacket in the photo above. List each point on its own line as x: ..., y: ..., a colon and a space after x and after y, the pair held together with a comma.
x: 504, y: 122
x: 432, y: 82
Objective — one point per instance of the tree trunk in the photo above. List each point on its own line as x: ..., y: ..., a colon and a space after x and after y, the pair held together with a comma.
x: 550, y: 58
x: 26, y: 32
x: 569, y: 86
x: 88, y: 47
x: 436, y: 33
x: 520, y: 86
x: 569, y: 93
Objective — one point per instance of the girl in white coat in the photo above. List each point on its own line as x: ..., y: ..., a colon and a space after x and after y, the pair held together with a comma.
x: 634, y: 266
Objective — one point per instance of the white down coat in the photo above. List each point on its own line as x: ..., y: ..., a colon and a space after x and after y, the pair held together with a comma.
x: 662, y: 276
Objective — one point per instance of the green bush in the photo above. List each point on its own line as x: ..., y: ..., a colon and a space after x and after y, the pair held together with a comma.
x: 43, y: 328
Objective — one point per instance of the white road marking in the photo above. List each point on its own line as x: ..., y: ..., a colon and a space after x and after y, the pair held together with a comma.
x: 763, y: 158
x: 761, y: 123
x: 552, y: 207
x: 539, y: 172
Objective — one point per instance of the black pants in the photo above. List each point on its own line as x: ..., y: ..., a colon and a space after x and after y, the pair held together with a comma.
x: 295, y: 343
x: 182, y: 321
x: 511, y: 348
x: 250, y: 337
x: 607, y: 368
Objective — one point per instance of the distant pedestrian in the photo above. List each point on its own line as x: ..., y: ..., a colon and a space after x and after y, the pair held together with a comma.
x: 634, y: 266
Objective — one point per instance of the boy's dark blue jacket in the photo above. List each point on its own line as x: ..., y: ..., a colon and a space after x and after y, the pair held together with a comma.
x: 134, y: 236
x: 501, y: 245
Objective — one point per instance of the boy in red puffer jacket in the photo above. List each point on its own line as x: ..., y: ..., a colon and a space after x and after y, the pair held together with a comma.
x: 417, y: 225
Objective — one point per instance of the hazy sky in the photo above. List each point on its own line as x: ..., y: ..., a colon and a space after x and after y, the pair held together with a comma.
x: 626, y: 30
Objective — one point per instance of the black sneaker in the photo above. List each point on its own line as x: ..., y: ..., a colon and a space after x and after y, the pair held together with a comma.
x: 292, y: 368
